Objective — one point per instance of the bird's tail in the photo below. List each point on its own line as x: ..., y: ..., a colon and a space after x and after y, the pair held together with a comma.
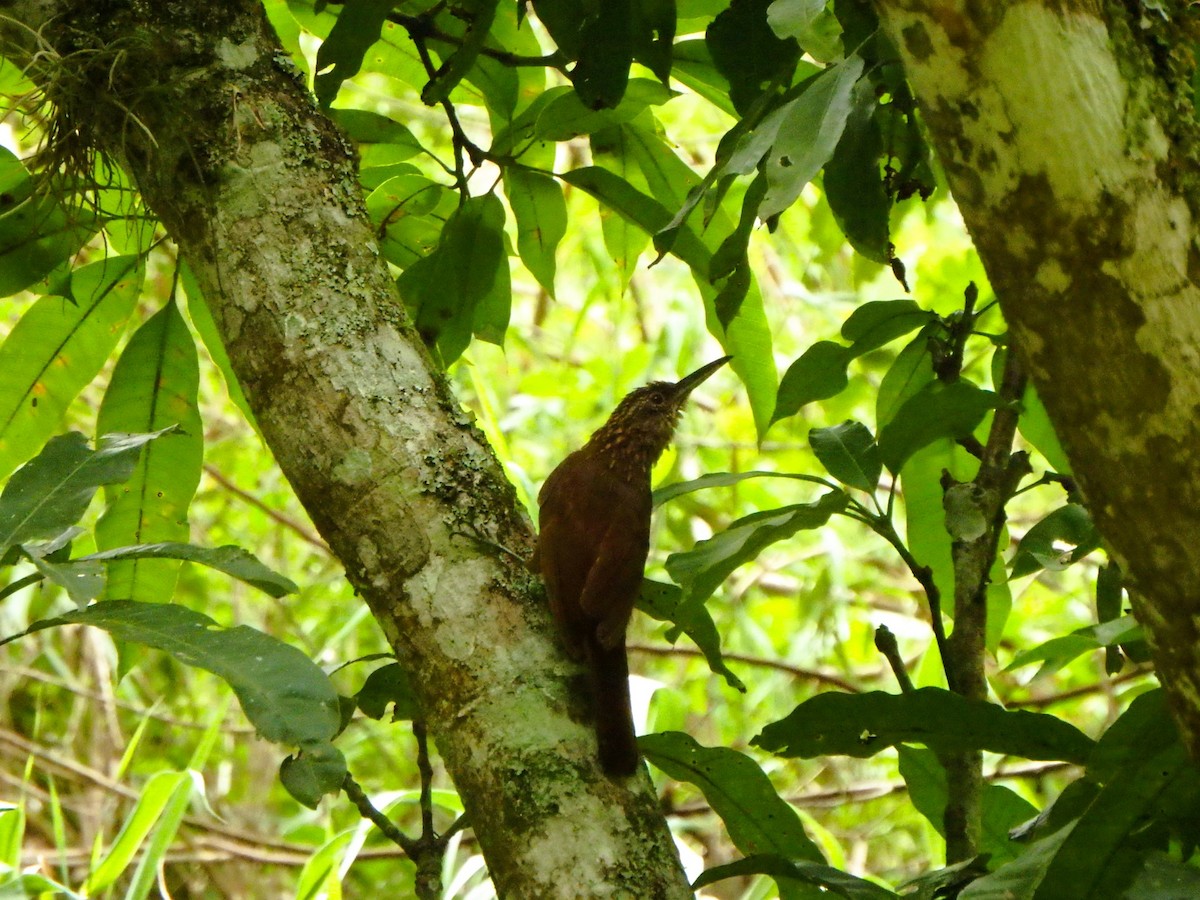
x: 614, y: 716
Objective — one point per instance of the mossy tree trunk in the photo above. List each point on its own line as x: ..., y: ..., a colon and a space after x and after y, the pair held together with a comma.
x: 1068, y: 134
x: 201, y: 106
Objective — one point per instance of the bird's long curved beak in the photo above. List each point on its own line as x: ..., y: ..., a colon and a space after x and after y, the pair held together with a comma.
x: 688, y: 383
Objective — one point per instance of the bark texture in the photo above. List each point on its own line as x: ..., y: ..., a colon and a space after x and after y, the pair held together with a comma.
x: 205, y: 111
x: 1067, y: 132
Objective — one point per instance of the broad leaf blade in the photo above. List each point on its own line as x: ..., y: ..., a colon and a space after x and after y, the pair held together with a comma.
x: 51, y: 492
x: 154, y: 386
x: 861, y: 725
x: 936, y: 411
x: 57, y: 348
x: 849, y: 454
x: 234, y: 561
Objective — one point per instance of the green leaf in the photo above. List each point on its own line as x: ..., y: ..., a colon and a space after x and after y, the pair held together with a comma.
x: 692, y: 66
x: 849, y: 454
x: 283, y: 693
x: 861, y: 725
x: 83, y: 581
x: 463, y: 288
x: 793, y: 18
x: 819, y: 373
x: 233, y: 561
x: 1058, y: 652
x: 938, y: 410
x: 51, y: 492
x: 853, y: 179
x: 37, y: 233
x: 364, y: 127
x: 1040, y: 547
x: 315, y: 771
x: 757, y: 819
x: 911, y: 371
x: 541, y: 213
x: 1035, y: 426
x: 808, y: 134
x: 340, y: 55
x: 154, y: 386
x: 568, y: 116
x: 202, y: 319
x: 662, y: 602
x: 605, y: 52
x: 831, y: 882
x: 410, y: 213
x: 57, y: 348
x: 726, y: 479
x: 747, y: 52
x: 882, y: 321
x: 701, y: 570
x: 384, y: 687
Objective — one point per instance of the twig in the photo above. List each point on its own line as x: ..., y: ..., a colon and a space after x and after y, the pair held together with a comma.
x: 885, y: 643
x: 364, y: 805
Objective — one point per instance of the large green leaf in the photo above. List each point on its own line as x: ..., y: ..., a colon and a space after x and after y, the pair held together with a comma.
x: 50, y: 493
x: 1043, y: 545
x: 206, y: 327
x: 849, y: 454
x: 57, y: 348
x: 747, y: 52
x: 663, y: 602
x: 808, y: 134
x: 818, y: 374
x: 701, y: 570
x: 861, y: 725
x: 726, y: 479
x: 541, y: 213
x: 880, y: 322
x: 568, y: 116
x: 284, y: 694
x: 463, y: 287
x: 757, y: 819
x: 409, y: 212
x: 853, y: 178
x: 154, y: 386
x: 234, y: 561
x: 340, y: 55
x: 1058, y: 652
x: 938, y: 410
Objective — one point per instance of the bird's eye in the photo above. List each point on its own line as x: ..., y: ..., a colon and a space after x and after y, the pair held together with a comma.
x: 657, y: 399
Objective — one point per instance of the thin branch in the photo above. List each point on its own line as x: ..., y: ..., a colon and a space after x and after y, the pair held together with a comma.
x: 291, y: 524
x: 368, y: 810
x: 885, y: 643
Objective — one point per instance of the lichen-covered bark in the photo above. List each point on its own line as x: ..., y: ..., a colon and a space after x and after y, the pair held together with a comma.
x: 205, y: 111
x: 1065, y: 129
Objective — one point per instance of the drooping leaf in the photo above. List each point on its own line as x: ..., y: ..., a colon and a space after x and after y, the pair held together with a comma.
x: 938, y: 410
x: 605, y: 52
x: 1035, y: 427
x: 819, y: 373
x: 541, y: 213
x: 234, y: 561
x: 701, y: 570
x: 910, y: 371
x: 757, y: 819
x: 315, y: 771
x: 853, y: 179
x: 861, y: 725
x: 284, y: 694
x: 364, y: 128
x: 827, y: 880
x: 340, y: 55
x: 849, y: 454
x: 388, y: 686
x: 567, y: 116
x: 57, y: 348
x: 409, y: 212
x: 747, y: 52
x: 202, y: 319
x: 808, y: 135
x: 662, y: 602
x: 50, y: 493
x: 153, y: 387
x: 1045, y: 545
x: 725, y: 479
x: 463, y: 287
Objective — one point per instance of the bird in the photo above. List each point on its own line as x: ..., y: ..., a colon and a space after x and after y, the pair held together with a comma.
x: 594, y: 518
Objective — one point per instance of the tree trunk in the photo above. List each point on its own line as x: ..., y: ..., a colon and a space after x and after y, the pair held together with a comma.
x: 204, y: 110
x: 1067, y: 131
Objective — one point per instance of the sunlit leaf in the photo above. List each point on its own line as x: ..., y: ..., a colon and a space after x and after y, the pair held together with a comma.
x: 849, y: 454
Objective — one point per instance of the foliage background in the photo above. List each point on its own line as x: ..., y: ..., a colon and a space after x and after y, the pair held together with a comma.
x: 87, y: 725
